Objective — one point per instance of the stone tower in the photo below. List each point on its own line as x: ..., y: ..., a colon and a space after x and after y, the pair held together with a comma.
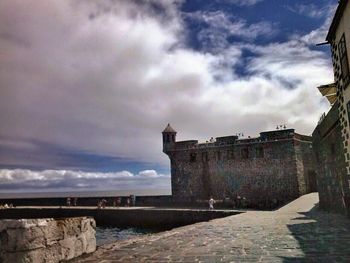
x: 169, y: 138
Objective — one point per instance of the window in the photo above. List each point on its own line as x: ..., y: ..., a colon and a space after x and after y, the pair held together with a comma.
x: 348, y: 106
x: 317, y: 157
x: 167, y: 138
x: 193, y: 157
x: 245, y: 153
x: 218, y: 154
x: 333, y: 149
x: 260, y: 152
x: 343, y: 56
x: 205, y: 157
x: 230, y: 154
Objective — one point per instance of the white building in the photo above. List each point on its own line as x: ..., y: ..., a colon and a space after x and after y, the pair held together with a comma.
x: 339, y: 39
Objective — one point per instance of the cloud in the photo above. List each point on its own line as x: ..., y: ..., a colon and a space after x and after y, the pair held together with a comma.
x: 85, y: 78
x: 219, y: 27
x: 318, y: 35
x: 243, y: 2
x: 148, y: 173
x: 66, y: 180
x: 310, y: 10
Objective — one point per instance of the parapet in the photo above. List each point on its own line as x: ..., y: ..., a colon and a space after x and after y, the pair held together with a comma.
x: 226, y: 139
x: 277, y: 135
x: 186, y: 144
x: 234, y: 140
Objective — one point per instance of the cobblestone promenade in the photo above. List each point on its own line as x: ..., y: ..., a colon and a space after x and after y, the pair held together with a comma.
x: 298, y: 232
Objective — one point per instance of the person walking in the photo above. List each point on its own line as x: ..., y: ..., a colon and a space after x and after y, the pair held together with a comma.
x: 211, y: 203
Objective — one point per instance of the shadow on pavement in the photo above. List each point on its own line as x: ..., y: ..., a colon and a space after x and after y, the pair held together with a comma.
x: 322, y: 236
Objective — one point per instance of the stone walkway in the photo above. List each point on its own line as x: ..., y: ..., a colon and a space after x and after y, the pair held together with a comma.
x: 297, y: 232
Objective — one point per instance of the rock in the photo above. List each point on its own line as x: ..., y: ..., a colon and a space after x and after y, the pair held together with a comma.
x: 46, y: 240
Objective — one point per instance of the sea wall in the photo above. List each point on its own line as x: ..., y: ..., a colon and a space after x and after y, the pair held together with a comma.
x: 161, y: 200
x: 144, y: 201
x: 125, y: 217
x: 46, y: 240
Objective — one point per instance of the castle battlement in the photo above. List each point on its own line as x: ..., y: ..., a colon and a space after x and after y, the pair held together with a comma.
x: 265, y: 137
x: 278, y: 165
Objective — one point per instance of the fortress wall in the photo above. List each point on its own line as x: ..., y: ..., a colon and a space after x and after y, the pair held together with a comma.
x: 333, y: 187
x: 46, y: 240
x: 240, y: 169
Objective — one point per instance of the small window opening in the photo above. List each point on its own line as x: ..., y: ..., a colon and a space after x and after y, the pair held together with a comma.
x: 260, y: 152
x: 343, y: 56
x: 205, y: 157
x: 333, y: 149
x: 193, y: 157
x: 348, y: 106
x: 245, y: 153
x: 230, y: 154
x: 218, y: 154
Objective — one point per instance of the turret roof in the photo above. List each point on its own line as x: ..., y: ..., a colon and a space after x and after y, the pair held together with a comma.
x: 168, y: 128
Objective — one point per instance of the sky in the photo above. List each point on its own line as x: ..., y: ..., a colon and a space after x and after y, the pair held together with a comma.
x: 87, y: 86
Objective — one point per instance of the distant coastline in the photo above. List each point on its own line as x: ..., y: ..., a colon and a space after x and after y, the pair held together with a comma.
x: 137, y: 192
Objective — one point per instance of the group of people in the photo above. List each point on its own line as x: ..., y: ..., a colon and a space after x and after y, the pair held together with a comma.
x: 6, y: 206
x: 236, y: 202
x: 129, y: 201
x: 72, y: 201
x: 101, y: 203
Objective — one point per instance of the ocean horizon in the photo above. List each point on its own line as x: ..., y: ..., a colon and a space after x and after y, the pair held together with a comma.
x: 90, y: 193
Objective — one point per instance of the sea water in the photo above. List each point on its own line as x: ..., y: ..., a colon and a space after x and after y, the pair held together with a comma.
x: 106, y: 235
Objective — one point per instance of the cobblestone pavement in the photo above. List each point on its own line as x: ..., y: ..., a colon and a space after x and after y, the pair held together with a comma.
x: 298, y: 232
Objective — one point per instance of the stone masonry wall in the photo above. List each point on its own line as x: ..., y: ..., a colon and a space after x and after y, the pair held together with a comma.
x: 343, y: 86
x: 266, y: 173
x: 305, y: 162
x: 46, y: 240
x: 333, y: 186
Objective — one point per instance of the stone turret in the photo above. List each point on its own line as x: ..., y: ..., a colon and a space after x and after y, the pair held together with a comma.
x: 169, y: 138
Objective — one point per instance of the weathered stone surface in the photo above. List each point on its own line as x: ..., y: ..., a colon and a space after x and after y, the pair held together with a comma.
x: 46, y: 240
x: 298, y: 232
x: 332, y: 179
x: 261, y: 172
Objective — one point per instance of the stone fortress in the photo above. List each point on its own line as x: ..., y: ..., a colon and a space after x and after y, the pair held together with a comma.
x: 267, y: 171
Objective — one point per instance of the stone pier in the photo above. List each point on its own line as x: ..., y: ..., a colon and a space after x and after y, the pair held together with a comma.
x: 298, y: 232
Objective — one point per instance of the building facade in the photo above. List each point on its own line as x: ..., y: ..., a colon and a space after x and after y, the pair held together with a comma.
x: 331, y: 138
x: 266, y: 171
x: 339, y: 39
